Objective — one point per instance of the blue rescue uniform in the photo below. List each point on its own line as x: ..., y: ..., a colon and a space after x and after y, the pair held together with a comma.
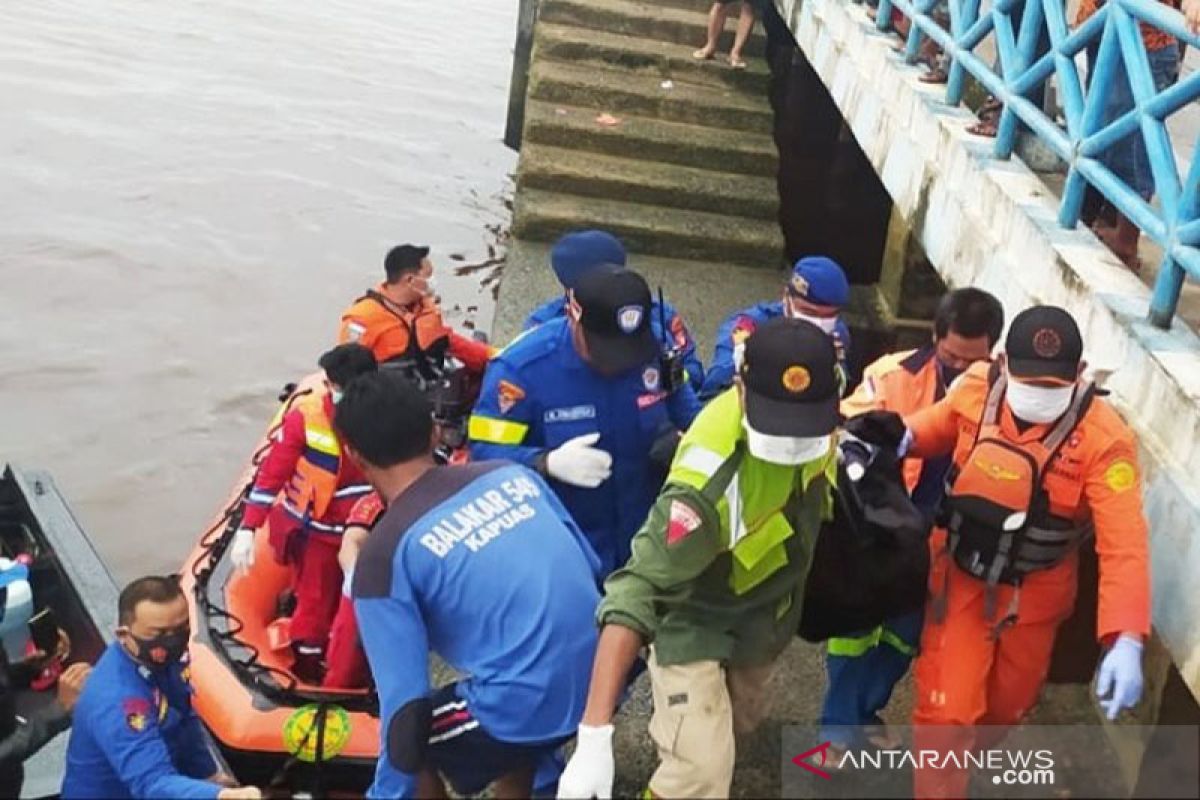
x: 481, y: 564
x: 135, y: 734
x: 740, y: 324
x: 678, y: 333
x: 538, y: 393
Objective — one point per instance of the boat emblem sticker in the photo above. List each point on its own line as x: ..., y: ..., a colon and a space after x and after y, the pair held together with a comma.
x: 300, y: 732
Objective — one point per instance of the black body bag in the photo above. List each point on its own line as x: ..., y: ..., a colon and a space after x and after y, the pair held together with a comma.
x: 872, y: 559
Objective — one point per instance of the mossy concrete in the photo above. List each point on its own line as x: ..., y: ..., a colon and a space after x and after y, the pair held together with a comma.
x: 623, y: 91
x: 648, y: 182
x: 704, y: 292
x: 650, y: 229
x: 659, y: 141
x: 683, y: 26
x: 663, y: 60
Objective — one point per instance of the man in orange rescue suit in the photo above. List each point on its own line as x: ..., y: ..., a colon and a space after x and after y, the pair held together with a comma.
x: 1039, y: 464
x: 863, y: 667
x: 400, y: 321
x: 320, y: 487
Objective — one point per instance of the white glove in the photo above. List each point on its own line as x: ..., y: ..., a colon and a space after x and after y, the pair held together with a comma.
x: 589, y: 773
x: 242, y: 549
x: 576, y: 462
x: 1119, y: 684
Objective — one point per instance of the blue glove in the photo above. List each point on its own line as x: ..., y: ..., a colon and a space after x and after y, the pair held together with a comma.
x: 1120, y: 678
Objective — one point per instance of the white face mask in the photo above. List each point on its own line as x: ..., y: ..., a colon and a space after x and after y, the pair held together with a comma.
x: 827, y: 324
x: 1037, y: 404
x: 430, y: 286
x: 786, y: 450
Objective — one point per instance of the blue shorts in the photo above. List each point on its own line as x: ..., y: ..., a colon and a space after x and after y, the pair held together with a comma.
x: 466, y: 755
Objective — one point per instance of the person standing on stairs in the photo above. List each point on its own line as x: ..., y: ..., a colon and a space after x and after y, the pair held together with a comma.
x: 716, y: 25
x: 579, y: 252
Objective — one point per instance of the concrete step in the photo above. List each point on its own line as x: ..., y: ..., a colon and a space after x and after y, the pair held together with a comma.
x: 646, y: 20
x: 675, y: 233
x: 663, y: 59
x: 651, y: 139
x: 582, y: 173
x: 621, y: 92
x: 703, y: 291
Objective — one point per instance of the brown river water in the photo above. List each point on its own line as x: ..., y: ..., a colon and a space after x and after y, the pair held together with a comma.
x: 190, y: 192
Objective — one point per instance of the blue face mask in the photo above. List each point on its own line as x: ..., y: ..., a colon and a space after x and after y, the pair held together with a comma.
x: 336, y: 395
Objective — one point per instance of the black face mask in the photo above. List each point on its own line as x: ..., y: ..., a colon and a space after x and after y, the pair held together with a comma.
x: 164, y: 650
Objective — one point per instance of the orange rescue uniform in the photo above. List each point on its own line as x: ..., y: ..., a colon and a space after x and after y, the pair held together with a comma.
x: 905, y: 383
x: 966, y: 673
x: 393, y: 332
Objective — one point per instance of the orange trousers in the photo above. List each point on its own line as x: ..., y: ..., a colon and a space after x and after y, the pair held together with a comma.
x: 967, y: 675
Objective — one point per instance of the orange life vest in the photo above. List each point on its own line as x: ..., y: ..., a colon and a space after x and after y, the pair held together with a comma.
x: 996, y: 511
x: 396, y: 333
x: 315, y: 482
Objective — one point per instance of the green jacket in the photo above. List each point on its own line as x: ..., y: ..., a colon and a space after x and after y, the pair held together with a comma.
x: 702, y: 587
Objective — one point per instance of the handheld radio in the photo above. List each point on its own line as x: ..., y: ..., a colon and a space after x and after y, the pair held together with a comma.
x: 674, y: 375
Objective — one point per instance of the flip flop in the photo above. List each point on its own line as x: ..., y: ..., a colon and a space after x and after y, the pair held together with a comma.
x: 934, y: 75
x: 739, y: 64
x: 700, y: 55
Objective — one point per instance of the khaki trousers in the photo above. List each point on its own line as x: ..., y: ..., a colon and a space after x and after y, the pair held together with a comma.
x: 698, y: 708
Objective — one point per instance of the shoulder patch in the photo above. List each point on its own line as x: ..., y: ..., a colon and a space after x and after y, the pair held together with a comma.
x: 743, y: 326
x: 354, y: 331
x: 137, y: 711
x: 508, y: 394
x: 1120, y: 476
x: 683, y: 520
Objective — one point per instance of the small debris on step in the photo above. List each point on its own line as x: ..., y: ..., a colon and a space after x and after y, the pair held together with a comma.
x: 667, y: 85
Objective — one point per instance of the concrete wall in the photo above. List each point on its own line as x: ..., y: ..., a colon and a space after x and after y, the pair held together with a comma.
x: 992, y: 224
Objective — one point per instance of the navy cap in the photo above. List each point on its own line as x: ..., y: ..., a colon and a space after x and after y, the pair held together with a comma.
x: 1044, y: 343
x: 790, y: 376
x: 616, y: 318
x: 820, y: 281
x: 578, y: 252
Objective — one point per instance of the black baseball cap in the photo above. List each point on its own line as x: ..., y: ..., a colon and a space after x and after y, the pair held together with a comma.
x: 1044, y: 343
x: 402, y: 259
x: 616, y: 318
x: 789, y: 372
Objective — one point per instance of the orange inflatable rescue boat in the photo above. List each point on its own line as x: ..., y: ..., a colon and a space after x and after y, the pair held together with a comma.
x: 272, y: 730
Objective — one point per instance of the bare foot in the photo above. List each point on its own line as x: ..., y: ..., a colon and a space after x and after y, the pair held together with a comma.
x: 1108, y: 235
x: 703, y: 54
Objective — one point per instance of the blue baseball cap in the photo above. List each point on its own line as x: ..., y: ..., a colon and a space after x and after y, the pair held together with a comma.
x: 578, y: 252
x: 819, y: 280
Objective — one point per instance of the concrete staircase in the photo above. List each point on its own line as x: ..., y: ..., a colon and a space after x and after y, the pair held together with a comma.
x: 688, y: 172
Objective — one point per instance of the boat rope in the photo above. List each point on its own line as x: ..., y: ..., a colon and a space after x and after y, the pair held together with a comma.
x: 279, y: 685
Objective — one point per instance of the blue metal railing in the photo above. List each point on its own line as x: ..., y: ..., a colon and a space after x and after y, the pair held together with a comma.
x: 1175, y: 223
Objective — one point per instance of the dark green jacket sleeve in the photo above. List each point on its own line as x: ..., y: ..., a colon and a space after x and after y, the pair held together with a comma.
x: 677, y: 543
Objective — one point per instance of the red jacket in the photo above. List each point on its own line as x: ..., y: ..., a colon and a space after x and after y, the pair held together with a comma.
x: 279, y: 467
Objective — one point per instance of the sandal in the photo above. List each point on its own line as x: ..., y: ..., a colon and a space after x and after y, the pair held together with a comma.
x: 935, y: 75
x: 738, y: 63
x: 989, y: 119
